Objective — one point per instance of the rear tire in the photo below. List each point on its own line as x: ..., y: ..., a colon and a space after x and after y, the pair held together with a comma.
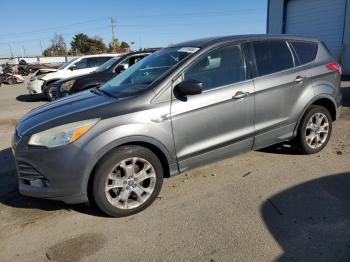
x: 315, y: 130
x: 126, y: 181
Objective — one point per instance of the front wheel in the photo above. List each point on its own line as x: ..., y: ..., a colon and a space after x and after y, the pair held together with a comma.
x: 127, y: 181
x: 315, y: 130
x: 48, y: 92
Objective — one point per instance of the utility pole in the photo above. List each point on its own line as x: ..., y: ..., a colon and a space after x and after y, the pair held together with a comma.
x: 11, y: 50
x: 41, y: 47
x: 113, y: 34
x: 24, y: 51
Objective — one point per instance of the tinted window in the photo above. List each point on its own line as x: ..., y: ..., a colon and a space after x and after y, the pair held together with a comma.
x: 306, y: 52
x: 218, y: 68
x: 272, y: 57
x: 83, y: 63
x: 97, y: 61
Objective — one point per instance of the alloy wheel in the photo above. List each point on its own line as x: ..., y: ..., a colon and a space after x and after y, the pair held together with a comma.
x: 130, y: 183
x: 317, y: 130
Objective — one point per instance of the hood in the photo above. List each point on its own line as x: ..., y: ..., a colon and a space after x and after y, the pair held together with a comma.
x: 82, y: 106
x: 47, y: 70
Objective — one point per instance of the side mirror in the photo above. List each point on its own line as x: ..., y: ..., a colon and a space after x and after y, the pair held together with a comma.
x: 119, y: 69
x: 72, y: 67
x: 188, y: 88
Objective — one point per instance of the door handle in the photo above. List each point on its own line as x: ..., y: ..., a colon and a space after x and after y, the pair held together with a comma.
x: 299, y: 79
x: 240, y: 95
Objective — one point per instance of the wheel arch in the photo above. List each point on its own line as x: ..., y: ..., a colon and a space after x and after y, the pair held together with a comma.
x: 324, y: 100
x: 49, y: 82
x: 168, y: 163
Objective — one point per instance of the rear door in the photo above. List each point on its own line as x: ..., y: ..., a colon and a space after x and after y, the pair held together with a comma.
x: 220, y: 121
x: 279, y: 83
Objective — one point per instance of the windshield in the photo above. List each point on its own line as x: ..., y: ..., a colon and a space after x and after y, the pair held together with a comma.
x: 67, y: 63
x: 107, y: 65
x: 142, y: 74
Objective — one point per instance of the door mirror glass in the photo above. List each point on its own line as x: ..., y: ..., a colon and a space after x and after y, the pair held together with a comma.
x: 72, y: 67
x: 188, y: 87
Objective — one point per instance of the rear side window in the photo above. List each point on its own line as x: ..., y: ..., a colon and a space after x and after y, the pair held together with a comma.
x: 306, y: 52
x: 272, y: 56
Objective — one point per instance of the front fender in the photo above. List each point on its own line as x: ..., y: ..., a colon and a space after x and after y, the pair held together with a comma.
x: 104, y: 142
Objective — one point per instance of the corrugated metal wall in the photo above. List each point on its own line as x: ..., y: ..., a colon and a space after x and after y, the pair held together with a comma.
x: 327, y: 20
x: 322, y: 19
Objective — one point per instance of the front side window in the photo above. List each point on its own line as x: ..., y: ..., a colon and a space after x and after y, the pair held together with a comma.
x: 220, y: 67
x: 306, y: 51
x: 83, y: 63
x: 272, y: 56
x: 141, y: 75
x: 107, y: 64
x: 97, y: 61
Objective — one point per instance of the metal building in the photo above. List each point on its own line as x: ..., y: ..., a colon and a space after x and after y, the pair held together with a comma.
x: 327, y: 20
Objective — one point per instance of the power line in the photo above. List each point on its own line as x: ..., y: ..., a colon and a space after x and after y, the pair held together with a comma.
x: 136, y: 25
x: 198, y: 14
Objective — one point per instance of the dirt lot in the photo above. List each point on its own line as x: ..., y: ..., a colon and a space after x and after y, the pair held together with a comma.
x: 266, y: 205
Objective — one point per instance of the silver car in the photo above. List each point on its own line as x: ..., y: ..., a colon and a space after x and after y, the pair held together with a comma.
x: 183, y: 106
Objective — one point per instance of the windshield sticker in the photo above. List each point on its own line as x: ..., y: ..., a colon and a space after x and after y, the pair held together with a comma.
x: 188, y: 49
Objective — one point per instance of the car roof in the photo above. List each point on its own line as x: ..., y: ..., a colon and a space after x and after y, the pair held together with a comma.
x: 203, y: 42
x: 100, y: 55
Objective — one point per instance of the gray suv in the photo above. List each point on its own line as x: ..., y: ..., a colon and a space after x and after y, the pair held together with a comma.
x: 183, y: 106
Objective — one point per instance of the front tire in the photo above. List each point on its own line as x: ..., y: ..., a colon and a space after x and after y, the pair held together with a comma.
x: 315, y: 130
x: 48, y: 92
x: 127, y: 180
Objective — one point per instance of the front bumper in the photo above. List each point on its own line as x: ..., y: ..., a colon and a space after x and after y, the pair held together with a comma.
x: 34, y: 86
x: 56, y: 174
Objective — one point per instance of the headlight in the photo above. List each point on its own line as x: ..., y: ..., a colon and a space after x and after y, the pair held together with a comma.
x: 34, y: 78
x: 61, y: 135
x: 66, y: 86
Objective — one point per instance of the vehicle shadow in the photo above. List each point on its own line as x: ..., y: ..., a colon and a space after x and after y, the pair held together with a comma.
x: 311, y: 221
x: 10, y: 196
x: 346, y: 96
x: 284, y: 148
x: 31, y: 98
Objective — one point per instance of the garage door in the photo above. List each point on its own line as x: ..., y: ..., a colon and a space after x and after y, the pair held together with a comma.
x: 322, y: 19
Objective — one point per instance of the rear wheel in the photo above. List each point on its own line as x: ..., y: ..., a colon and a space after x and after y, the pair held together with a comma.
x: 315, y: 130
x: 127, y: 181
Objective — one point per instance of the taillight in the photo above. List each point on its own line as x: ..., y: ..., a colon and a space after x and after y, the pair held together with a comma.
x: 334, y: 67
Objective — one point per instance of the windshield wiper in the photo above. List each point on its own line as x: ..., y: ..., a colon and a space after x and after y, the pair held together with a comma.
x: 97, y: 91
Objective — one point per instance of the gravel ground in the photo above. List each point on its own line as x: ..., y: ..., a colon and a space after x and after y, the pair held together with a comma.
x: 266, y: 205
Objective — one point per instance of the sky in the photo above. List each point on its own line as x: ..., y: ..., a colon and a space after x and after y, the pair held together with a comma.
x: 28, y: 26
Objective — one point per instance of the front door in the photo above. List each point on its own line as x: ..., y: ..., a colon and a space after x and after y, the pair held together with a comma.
x: 220, y: 121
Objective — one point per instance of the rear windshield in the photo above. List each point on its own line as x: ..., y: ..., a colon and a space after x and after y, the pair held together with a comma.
x: 306, y: 51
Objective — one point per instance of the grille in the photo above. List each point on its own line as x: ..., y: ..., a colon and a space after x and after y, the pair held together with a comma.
x: 27, y: 172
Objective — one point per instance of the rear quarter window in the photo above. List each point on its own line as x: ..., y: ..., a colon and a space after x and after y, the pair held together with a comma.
x: 272, y: 56
x: 306, y: 52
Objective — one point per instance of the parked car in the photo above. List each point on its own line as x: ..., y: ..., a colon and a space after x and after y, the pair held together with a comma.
x: 181, y: 107
x: 42, y: 80
x: 98, y: 77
